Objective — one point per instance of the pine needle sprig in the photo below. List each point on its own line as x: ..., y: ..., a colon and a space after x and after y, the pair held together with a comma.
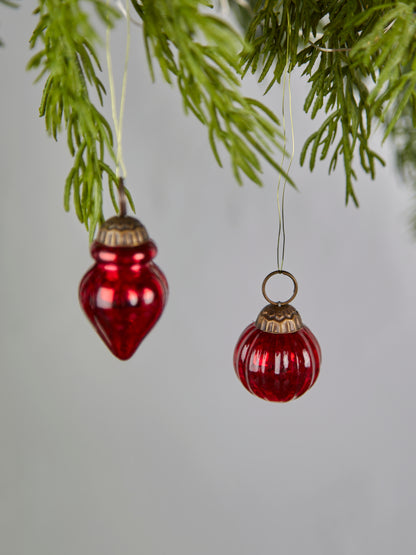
x: 318, y: 37
x: 360, y: 58
x: 275, y: 35
x: 200, y: 52
x: 69, y: 61
x: 388, y: 47
x: 340, y: 91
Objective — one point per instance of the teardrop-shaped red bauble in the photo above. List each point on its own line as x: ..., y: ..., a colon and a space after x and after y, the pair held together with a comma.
x: 124, y: 293
x: 279, y: 365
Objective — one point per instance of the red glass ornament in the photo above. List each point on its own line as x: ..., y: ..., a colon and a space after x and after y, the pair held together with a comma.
x: 277, y: 358
x: 124, y: 293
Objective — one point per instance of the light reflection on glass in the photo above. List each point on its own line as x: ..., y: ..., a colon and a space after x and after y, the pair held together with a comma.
x: 285, y: 361
x: 306, y: 358
x: 105, y: 297
x: 277, y: 362
x: 148, y: 296
x: 133, y: 297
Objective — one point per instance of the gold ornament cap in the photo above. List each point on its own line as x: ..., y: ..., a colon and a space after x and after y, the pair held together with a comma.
x: 122, y: 231
x: 275, y: 318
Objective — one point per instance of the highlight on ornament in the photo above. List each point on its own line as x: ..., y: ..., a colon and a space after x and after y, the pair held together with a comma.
x: 277, y: 358
x: 124, y: 293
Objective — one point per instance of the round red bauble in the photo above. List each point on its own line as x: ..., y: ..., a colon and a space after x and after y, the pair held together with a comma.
x: 277, y: 358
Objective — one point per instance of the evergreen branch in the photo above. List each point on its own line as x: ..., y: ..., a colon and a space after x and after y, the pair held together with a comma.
x: 277, y: 28
x: 352, y: 43
x: 389, y: 47
x: 336, y: 44
x: 360, y: 59
x: 200, y: 52
x: 69, y: 60
x: 337, y: 88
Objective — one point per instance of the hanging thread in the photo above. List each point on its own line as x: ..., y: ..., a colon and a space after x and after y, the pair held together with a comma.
x: 118, y: 118
x: 281, y: 237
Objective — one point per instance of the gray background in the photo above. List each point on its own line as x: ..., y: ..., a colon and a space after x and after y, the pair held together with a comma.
x: 167, y: 453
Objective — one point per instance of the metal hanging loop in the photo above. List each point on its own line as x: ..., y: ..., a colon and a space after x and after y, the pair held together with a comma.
x: 295, y: 287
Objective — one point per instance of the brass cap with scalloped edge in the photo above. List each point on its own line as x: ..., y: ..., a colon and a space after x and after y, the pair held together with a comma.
x: 276, y: 318
x: 122, y: 231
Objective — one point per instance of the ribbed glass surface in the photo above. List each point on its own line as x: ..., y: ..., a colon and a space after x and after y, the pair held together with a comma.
x: 277, y: 366
x: 123, y: 295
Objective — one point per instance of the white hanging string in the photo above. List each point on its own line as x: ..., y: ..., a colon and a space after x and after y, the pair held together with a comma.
x: 118, y: 118
x: 281, y: 236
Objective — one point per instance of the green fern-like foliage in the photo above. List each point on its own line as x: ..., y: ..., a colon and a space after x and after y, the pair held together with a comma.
x: 68, y: 61
x: 200, y: 53
x: 194, y: 49
x: 360, y: 60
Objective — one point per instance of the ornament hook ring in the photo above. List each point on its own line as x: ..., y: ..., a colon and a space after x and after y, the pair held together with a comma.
x: 295, y: 287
